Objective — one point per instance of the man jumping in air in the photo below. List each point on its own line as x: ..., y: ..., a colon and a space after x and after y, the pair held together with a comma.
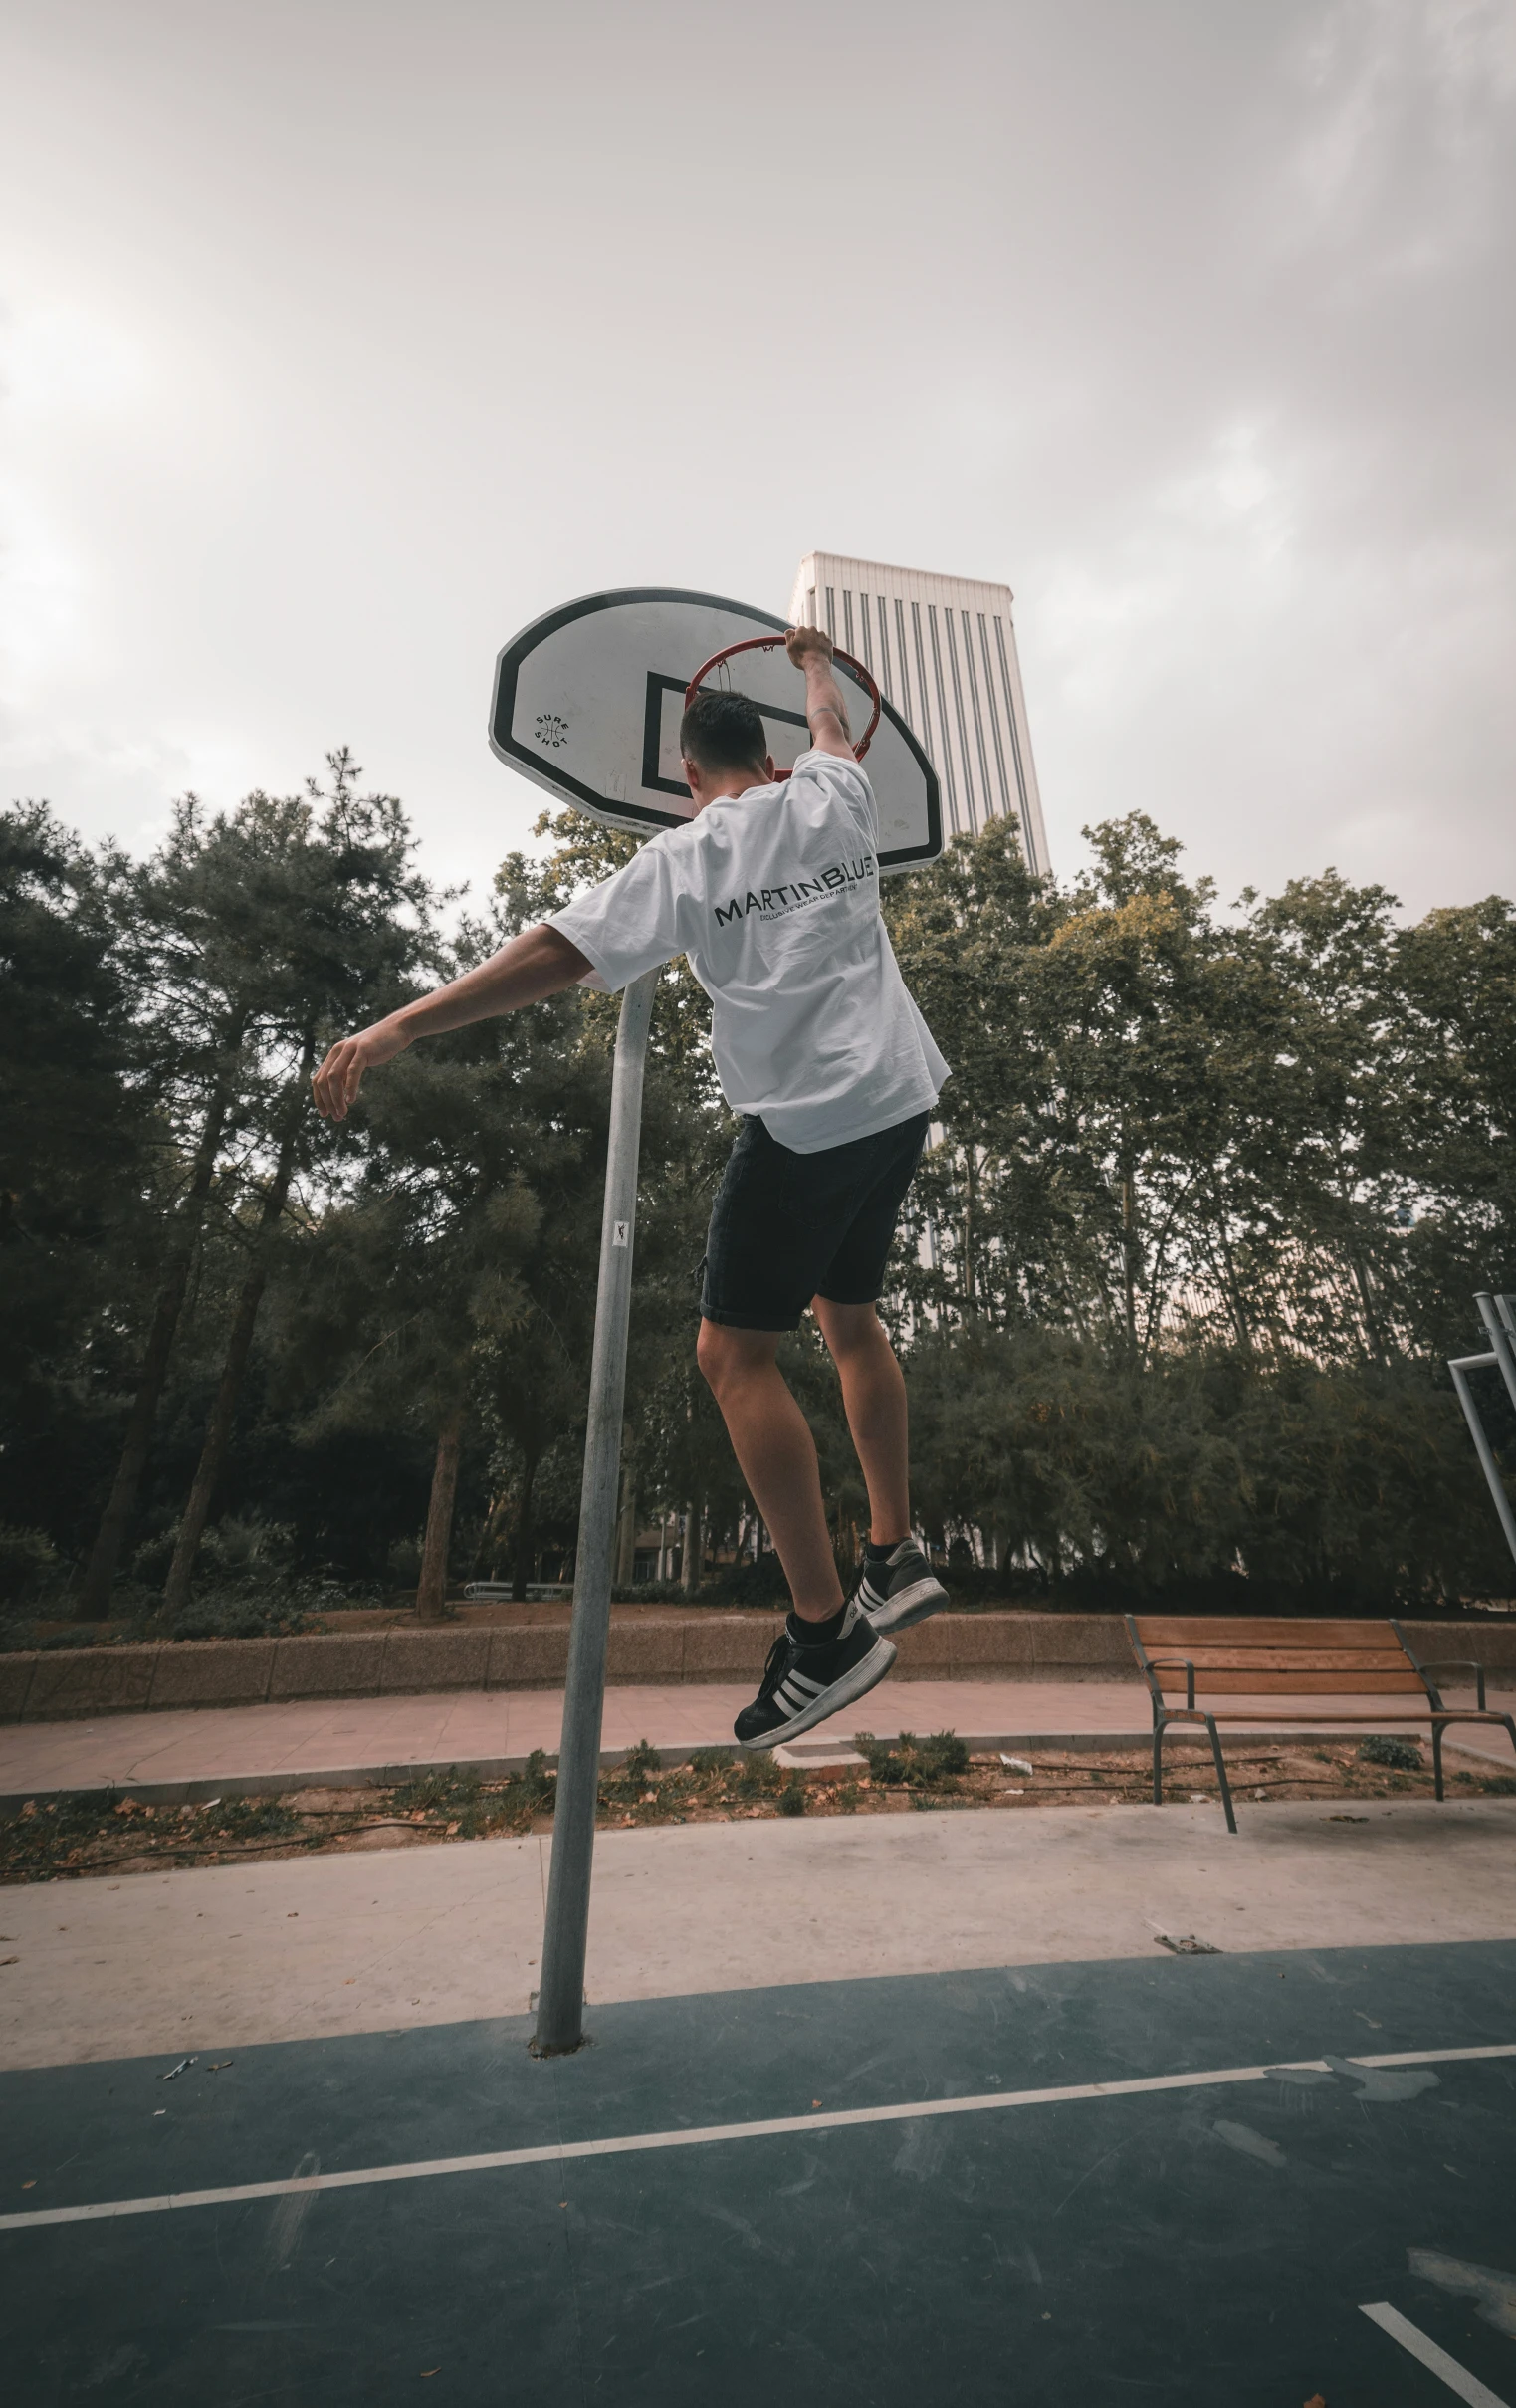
x: 771, y: 892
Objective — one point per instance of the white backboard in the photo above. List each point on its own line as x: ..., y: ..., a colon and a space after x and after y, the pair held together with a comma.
x: 588, y: 699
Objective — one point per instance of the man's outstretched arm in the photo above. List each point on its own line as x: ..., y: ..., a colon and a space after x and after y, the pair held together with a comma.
x: 536, y: 963
x: 810, y: 648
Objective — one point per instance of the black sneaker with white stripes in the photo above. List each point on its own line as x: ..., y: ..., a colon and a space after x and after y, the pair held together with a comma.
x: 803, y: 1686
x: 898, y: 1589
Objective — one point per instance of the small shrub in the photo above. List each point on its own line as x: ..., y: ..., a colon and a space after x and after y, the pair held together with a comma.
x: 759, y: 1584
x: 539, y: 1782
x: 793, y: 1798
x: 709, y: 1762
x: 1401, y: 1755
x: 27, y: 1562
x: 248, y: 1614
x: 642, y: 1761
x: 755, y: 1776
x: 437, y: 1792
x: 912, y: 1763
x: 402, y: 1564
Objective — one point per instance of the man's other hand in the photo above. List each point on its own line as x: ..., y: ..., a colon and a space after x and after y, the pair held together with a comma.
x: 807, y: 642
x: 335, y: 1086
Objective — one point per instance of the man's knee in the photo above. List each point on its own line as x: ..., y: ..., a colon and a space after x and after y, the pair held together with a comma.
x: 851, y: 1328
x: 727, y: 1355
x: 710, y: 1352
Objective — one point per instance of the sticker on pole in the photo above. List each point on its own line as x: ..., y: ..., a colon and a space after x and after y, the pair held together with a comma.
x: 618, y: 1233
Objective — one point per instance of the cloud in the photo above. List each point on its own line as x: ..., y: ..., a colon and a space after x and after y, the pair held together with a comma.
x: 340, y: 359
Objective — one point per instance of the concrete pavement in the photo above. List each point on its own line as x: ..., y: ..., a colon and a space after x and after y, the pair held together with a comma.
x: 220, y: 1959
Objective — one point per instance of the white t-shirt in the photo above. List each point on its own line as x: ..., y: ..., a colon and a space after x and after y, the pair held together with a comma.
x: 774, y: 897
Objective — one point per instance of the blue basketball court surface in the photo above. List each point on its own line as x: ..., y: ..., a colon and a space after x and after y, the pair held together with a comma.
x: 1182, y: 2180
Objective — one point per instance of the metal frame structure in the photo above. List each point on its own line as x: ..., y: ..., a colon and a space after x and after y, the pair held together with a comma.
x: 1500, y: 1320
x: 1435, y: 1712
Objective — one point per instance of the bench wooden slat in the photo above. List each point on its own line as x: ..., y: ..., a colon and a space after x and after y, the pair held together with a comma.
x: 1294, y: 1684
x: 1372, y: 1715
x: 1266, y: 1662
x: 1161, y: 1631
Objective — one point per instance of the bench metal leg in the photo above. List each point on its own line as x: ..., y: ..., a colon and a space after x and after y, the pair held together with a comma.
x: 1216, y: 1749
x: 1507, y: 1723
x: 1158, y: 1761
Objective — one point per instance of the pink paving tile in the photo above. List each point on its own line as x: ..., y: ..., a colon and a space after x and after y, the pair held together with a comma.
x: 317, y: 1735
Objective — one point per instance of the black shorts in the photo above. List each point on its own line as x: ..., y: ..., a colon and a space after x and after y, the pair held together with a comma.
x: 787, y: 1226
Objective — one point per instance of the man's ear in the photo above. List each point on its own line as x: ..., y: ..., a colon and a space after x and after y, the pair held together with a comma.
x: 768, y: 769
x: 690, y: 771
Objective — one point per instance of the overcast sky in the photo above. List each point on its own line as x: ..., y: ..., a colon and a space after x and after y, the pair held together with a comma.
x: 344, y: 336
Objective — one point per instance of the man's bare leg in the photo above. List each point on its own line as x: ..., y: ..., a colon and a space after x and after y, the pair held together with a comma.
x: 874, y: 1397
x: 773, y: 1442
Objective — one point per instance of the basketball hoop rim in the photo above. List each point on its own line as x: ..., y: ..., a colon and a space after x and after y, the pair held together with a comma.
x: 771, y: 643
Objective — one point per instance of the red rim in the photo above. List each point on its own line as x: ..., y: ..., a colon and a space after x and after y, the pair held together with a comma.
x: 771, y: 643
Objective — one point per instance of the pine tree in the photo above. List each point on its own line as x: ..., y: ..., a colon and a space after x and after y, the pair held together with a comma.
x: 76, y: 1147
x: 261, y: 931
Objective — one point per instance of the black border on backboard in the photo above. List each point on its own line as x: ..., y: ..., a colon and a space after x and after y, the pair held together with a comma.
x: 653, y: 779
x: 632, y: 814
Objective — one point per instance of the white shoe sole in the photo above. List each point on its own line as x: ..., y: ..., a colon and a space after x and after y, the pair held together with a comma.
x: 922, y: 1599
x: 865, y: 1675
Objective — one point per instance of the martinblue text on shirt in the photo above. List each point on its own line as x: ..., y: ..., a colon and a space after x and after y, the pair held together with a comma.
x: 802, y: 891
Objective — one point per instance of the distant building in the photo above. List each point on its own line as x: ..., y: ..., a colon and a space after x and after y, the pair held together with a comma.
x: 944, y: 651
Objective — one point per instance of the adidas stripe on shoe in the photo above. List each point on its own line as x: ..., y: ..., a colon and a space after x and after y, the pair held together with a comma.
x: 803, y: 1686
x: 901, y: 1589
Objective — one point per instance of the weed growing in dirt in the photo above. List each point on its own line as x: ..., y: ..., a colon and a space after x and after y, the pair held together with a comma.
x: 936, y: 1763
x: 541, y: 1782
x: 1402, y: 1755
x: 755, y: 1776
x: 457, y: 1794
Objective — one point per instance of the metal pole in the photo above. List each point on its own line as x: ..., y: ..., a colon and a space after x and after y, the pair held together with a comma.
x: 560, y: 2000
x: 1496, y: 1313
x: 1486, y: 1453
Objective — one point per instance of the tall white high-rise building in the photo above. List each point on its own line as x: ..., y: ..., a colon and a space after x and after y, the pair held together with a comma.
x: 944, y: 651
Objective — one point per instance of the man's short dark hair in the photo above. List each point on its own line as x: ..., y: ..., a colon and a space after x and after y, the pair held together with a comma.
x: 723, y: 731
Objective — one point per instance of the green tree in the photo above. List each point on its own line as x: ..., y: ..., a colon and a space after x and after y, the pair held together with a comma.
x: 456, y: 1284
x: 76, y: 1145
x: 1457, y: 976
x: 258, y: 930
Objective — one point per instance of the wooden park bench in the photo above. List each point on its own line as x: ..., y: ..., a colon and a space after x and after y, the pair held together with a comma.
x: 1281, y: 1665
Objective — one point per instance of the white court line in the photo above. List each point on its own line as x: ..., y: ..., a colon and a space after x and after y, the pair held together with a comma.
x: 556, y: 2152
x: 1457, y: 2379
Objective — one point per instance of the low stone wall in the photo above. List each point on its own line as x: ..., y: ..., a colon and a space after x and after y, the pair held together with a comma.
x: 59, y: 1684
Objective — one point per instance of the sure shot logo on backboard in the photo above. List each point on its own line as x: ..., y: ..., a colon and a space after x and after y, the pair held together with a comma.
x: 777, y: 902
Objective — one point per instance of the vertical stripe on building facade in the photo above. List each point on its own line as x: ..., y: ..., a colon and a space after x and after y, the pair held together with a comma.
x: 994, y: 715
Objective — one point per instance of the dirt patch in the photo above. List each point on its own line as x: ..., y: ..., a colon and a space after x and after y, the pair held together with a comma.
x: 904, y: 1776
